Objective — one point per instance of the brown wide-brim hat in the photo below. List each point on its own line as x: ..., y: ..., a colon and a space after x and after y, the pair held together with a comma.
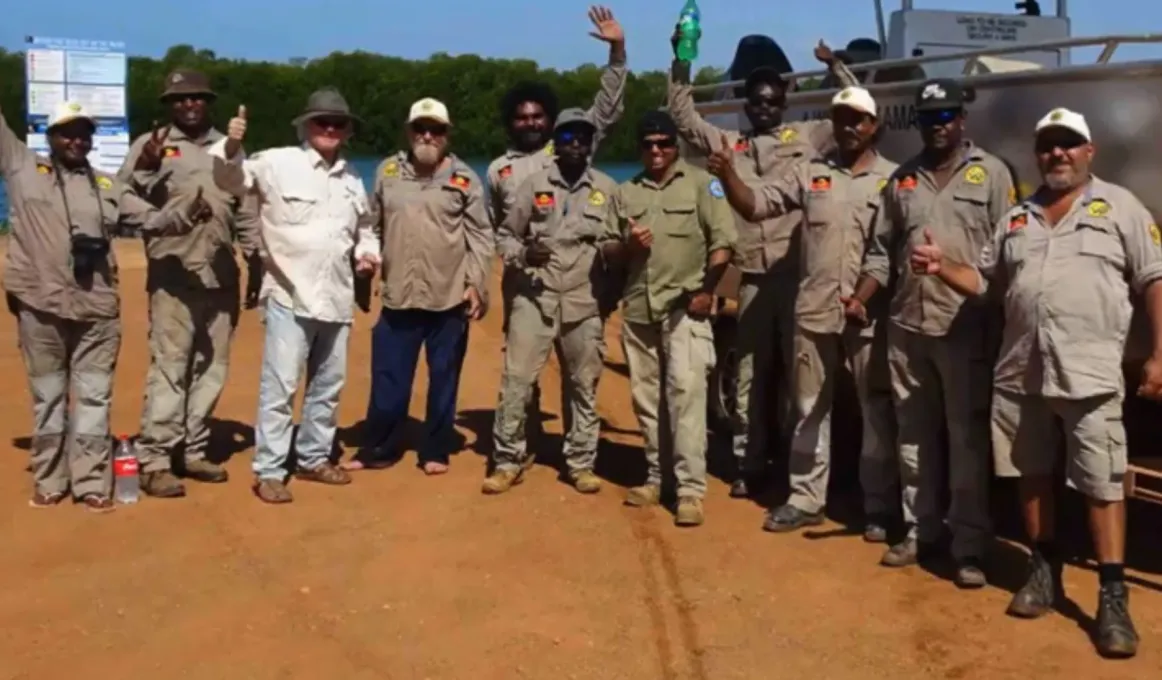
x: 326, y: 103
x: 184, y: 82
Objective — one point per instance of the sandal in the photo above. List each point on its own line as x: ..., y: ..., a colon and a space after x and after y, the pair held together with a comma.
x: 324, y: 474
x: 95, y: 502
x: 272, y: 491
x: 45, y: 500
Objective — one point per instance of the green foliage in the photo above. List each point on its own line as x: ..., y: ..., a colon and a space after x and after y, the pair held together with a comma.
x: 379, y: 88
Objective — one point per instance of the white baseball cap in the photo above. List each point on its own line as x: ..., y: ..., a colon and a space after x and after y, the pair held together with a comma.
x: 855, y: 98
x: 66, y: 112
x: 1064, y: 118
x: 431, y: 109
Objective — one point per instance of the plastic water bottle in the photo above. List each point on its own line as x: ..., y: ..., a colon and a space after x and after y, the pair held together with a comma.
x: 126, y: 485
x: 689, y: 30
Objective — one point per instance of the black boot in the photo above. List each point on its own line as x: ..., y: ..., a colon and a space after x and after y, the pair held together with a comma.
x: 1040, y: 592
x: 1116, y: 637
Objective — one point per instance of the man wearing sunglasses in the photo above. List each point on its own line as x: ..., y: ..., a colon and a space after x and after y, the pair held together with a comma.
x: 428, y: 206
x: 315, y: 218
x: 839, y: 195
x: 528, y: 112
x: 60, y: 280
x: 766, y: 312
x: 1065, y: 261
x: 673, y: 232
x: 552, y: 237
x: 193, y: 288
x: 940, y: 345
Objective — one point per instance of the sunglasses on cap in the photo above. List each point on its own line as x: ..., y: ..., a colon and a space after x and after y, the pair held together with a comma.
x: 422, y: 127
x: 664, y: 143
x: 937, y: 117
x: 330, y: 122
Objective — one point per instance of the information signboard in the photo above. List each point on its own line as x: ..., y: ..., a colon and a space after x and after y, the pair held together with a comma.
x: 90, y: 72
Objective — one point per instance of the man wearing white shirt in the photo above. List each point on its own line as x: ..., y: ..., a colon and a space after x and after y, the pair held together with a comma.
x: 314, y: 212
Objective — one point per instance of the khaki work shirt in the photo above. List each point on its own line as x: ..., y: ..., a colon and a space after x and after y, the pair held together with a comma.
x: 508, y: 171
x: 689, y: 218
x: 48, y: 205
x: 204, y: 257
x: 762, y: 245
x: 570, y: 220
x: 838, y: 209
x: 435, y: 234
x: 961, y: 217
x: 1067, y: 291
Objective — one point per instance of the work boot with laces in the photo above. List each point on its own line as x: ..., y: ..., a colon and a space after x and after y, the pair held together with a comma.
x: 644, y: 495
x: 689, y: 512
x: 586, y: 482
x: 205, y: 471
x: 502, y: 480
x: 1116, y: 636
x: 162, y: 484
x: 1040, y: 592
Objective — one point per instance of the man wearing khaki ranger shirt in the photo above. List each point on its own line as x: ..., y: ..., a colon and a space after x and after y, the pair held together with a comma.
x: 674, y: 232
x: 939, y: 347
x: 766, y: 315
x: 1064, y: 261
x: 528, y: 111
x: 552, y: 236
x: 193, y: 288
x: 839, y: 194
x: 61, y: 280
x: 437, y: 254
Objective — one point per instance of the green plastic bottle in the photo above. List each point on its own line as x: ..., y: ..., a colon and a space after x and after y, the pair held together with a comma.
x: 689, y: 31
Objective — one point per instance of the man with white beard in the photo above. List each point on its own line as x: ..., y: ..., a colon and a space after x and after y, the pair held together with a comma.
x: 437, y: 252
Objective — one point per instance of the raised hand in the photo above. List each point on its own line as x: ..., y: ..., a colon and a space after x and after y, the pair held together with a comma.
x: 151, y: 151
x: 608, y: 29
x: 824, y: 54
x: 236, y: 132
x: 720, y: 162
x: 927, y: 258
x: 641, y: 239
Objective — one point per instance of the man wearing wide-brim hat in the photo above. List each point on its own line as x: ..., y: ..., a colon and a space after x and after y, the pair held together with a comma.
x: 314, y: 212
x: 193, y: 283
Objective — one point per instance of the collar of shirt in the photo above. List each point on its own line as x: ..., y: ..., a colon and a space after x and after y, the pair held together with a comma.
x: 678, y: 169
x: 876, y: 167
x: 176, y: 134
x: 317, y: 161
x: 513, y: 154
x: 555, y: 177
x: 451, y: 165
x: 1094, y: 192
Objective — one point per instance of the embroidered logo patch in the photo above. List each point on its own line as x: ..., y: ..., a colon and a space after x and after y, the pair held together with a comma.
x: 742, y: 145
x: 1155, y: 235
x: 104, y: 182
x: 881, y: 184
x: 716, y: 189
x: 821, y: 183
x: 172, y: 152
x: 908, y: 183
x: 391, y: 169
x: 459, y: 181
x: 788, y: 135
x: 1018, y: 221
x: 505, y: 172
x: 544, y: 199
x: 1098, y: 208
x: 596, y: 198
x: 975, y: 175
x: 43, y: 170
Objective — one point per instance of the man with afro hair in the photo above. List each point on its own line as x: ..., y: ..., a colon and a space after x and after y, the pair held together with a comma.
x: 529, y: 111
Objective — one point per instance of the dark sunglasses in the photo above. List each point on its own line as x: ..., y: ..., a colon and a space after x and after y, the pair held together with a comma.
x: 567, y: 137
x: 938, y: 117
x: 433, y: 129
x: 1067, y: 142
x: 771, y: 102
x: 330, y: 123
x: 667, y: 143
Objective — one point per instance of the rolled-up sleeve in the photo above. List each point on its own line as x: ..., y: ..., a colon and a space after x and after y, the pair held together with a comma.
x: 717, y: 217
x: 989, y: 266
x: 1143, y: 241
x: 238, y: 175
x: 479, y: 237
x: 366, y: 232
x: 778, y: 196
x: 510, y: 236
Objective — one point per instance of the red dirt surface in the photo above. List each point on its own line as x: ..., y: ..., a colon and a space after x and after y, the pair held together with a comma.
x: 402, y: 576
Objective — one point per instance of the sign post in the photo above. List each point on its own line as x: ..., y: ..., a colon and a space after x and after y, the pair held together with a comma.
x: 92, y: 73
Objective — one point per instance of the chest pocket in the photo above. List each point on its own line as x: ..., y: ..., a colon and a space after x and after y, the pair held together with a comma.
x: 450, y: 205
x: 592, y: 223
x: 1015, y: 249
x: 680, y: 219
x: 299, y: 204
x: 970, y: 205
x: 820, y: 207
x: 1099, y: 238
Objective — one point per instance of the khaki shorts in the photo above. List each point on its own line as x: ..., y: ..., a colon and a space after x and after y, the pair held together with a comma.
x: 1027, y: 432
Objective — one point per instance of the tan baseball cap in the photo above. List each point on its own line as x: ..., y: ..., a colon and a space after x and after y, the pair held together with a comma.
x: 429, y: 109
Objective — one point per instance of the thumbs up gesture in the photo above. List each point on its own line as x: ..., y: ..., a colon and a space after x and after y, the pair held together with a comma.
x: 927, y: 257
x: 720, y: 162
x: 235, y: 132
x: 641, y: 239
x: 199, y: 210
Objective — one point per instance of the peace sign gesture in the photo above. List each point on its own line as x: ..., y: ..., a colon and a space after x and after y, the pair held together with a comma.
x: 151, y: 152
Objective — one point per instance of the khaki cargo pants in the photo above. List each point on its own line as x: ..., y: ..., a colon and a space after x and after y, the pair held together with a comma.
x: 669, y: 363
x: 581, y: 350
x: 63, y: 356
x: 938, y: 383
x: 189, y: 347
x: 818, y: 360
x: 766, y: 323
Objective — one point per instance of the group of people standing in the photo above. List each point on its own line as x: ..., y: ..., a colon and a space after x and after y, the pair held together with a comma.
x: 917, y: 276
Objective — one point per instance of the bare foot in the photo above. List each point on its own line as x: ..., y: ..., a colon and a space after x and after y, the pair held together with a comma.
x: 434, y: 468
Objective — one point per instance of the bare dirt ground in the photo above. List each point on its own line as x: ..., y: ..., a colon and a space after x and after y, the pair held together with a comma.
x: 402, y: 576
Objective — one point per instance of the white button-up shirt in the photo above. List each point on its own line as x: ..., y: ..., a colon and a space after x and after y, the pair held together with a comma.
x: 312, y: 217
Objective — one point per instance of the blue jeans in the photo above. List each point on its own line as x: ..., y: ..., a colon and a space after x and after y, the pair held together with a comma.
x: 395, y: 351
x: 290, y: 343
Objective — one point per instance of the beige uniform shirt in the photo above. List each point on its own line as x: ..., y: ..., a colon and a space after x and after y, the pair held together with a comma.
x: 48, y: 205
x: 1067, y: 291
x: 570, y: 220
x: 838, y: 210
x: 961, y: 217
x: 762, y: 244
x: 435, y: 234
x: 507, y: 172
x: 689, y: 218
x: 203, y: 258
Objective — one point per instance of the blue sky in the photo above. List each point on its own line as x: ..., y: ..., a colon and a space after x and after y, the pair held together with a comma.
x: 553, y: 32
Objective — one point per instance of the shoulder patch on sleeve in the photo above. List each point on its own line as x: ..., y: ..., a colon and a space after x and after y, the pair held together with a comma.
x: 881, y: 184
x: 505, y: 172
x: 391, y: 169
x: 460, y: 181
x: 43, y: 169
x: 716, y: 189
x: 1155, y: 235
x: 1018, y: 221
x: 787, y: 135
